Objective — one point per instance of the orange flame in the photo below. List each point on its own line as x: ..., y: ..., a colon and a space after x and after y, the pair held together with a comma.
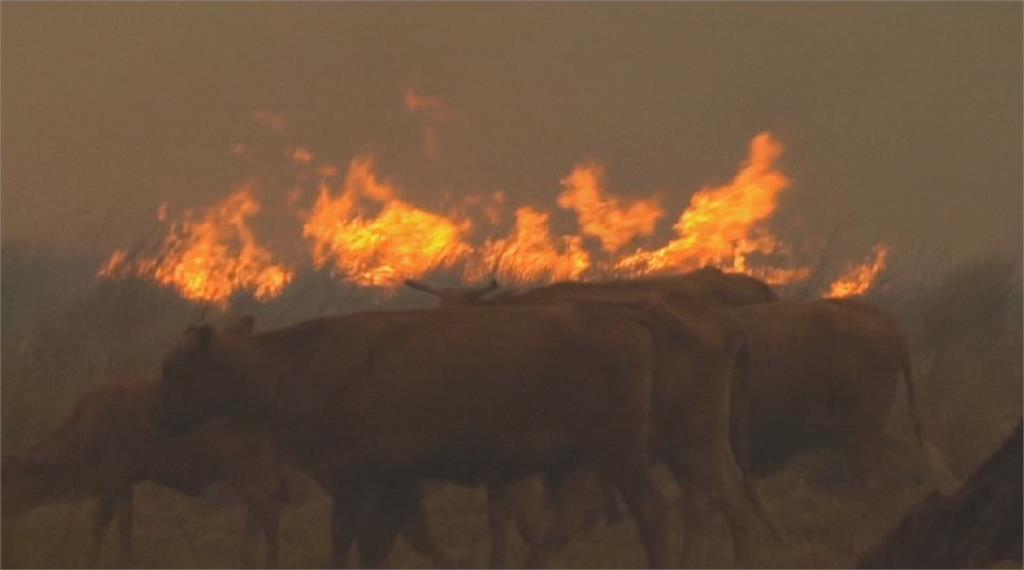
x: 363, y: 231
x: 301, y: 156
x: 723, y: 226
x: 529, y: 254
x: 400, y: 242
x: 613, y: 222
x: 858, y: 279
x: 211, y: 259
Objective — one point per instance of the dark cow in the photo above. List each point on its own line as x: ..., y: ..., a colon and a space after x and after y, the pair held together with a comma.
x: 106, y: 446
x: 366, y: 400
x: 825, y: 373
x: 979, y: 526
x: 686, y: 294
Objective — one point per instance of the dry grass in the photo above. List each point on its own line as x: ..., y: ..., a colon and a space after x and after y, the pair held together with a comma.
x: 173, y: 531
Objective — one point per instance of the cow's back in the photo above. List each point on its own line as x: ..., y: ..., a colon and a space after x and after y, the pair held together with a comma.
x: 92, y: 449
x: 817, y: 366
x: 470, y: 391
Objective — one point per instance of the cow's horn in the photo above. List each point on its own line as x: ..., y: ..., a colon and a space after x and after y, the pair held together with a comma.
x: 485, y: 289
x: 413, y: 284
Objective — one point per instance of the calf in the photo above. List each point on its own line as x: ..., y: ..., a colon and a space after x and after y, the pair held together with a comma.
x: 106, y: 446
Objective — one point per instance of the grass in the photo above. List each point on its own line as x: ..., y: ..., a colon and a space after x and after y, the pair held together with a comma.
x: 174, y: 531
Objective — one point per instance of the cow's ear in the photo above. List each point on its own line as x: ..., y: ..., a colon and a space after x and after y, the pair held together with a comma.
x: 203, y: 335
x: 242, y: 326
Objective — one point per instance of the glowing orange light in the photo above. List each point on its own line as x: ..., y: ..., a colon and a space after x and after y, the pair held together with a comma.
x: 210, y: 259
x: 399, y: 242
x: 723, y: 226
x: 858, y: 279
x: 612, y: 221
x: 529, y: 254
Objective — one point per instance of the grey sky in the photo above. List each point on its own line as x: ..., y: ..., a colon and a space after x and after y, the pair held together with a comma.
x: 903, y: 117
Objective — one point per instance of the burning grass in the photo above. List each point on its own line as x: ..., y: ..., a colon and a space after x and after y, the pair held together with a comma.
x: 366, y: 233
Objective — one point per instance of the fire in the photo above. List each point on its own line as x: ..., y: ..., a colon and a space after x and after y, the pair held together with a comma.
x: 611, y: 221
x: 723, y: 226
x: 858, y: 279
x: 301, y: 156
x: 361, y: 229
x: 400, y: 242
x: 210, y: 259
x: 529, y: 254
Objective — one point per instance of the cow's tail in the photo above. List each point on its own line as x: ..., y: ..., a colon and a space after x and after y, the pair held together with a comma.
x: 939, y: 472
x: 739, y: 436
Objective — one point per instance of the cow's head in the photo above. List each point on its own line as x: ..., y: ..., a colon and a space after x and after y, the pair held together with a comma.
x: 454, y: 296
x: 197, y: 378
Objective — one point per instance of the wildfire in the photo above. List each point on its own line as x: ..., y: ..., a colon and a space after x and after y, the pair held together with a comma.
x: 529, y: 254
x: 723, y: 226
x: 400, y: 242
x: 361, y: 229
x: 858, y: 279
x: 210, y: 259
x: 608, y: 219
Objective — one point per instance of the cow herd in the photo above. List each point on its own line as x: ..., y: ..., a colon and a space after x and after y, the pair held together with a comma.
x: 528, y: 394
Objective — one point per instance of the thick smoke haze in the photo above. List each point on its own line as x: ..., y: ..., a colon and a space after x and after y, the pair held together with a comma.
x: 901, y: 120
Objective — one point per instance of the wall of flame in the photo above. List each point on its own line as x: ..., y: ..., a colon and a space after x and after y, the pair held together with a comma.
x: 361, y: 229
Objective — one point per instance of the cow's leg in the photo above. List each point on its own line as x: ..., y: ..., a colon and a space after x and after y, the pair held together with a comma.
x: 343, y: 528
x: 634, y: 480
x: 125, y: 512
x: 499, y: 522
x: 566, y: 494
x: 613, y: 509
x: 696, y: 489
x: 532, y: 506
x: 263, y: 498
x: 269, y: 517
x: 417, y: 532
x: 733, y: 500
x: 249, y: 532
x: 381, y: 525
x: 271, y: 530
x: 101, y: 521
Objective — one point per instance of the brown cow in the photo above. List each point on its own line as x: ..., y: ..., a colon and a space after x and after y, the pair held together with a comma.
x: 368, y: 399
x: 106, y: 446
x: 826, y: 373
x: 823, y: 372
x: 688, y: 293
x: 977, y: 527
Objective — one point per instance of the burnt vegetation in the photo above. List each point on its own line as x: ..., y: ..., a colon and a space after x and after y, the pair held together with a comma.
x: 65, y: 335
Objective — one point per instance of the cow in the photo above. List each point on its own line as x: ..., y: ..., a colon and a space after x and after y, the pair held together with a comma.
x: 822, y: 372
x: 826, y: 373
x: 378, y: 401
x: 979, y: 526
x: 692, y: 294
x: 106, y: 446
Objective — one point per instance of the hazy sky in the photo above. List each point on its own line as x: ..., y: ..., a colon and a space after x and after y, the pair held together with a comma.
x: 905, y: 118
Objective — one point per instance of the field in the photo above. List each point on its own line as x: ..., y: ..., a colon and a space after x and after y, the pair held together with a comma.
x: 964, y: 321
